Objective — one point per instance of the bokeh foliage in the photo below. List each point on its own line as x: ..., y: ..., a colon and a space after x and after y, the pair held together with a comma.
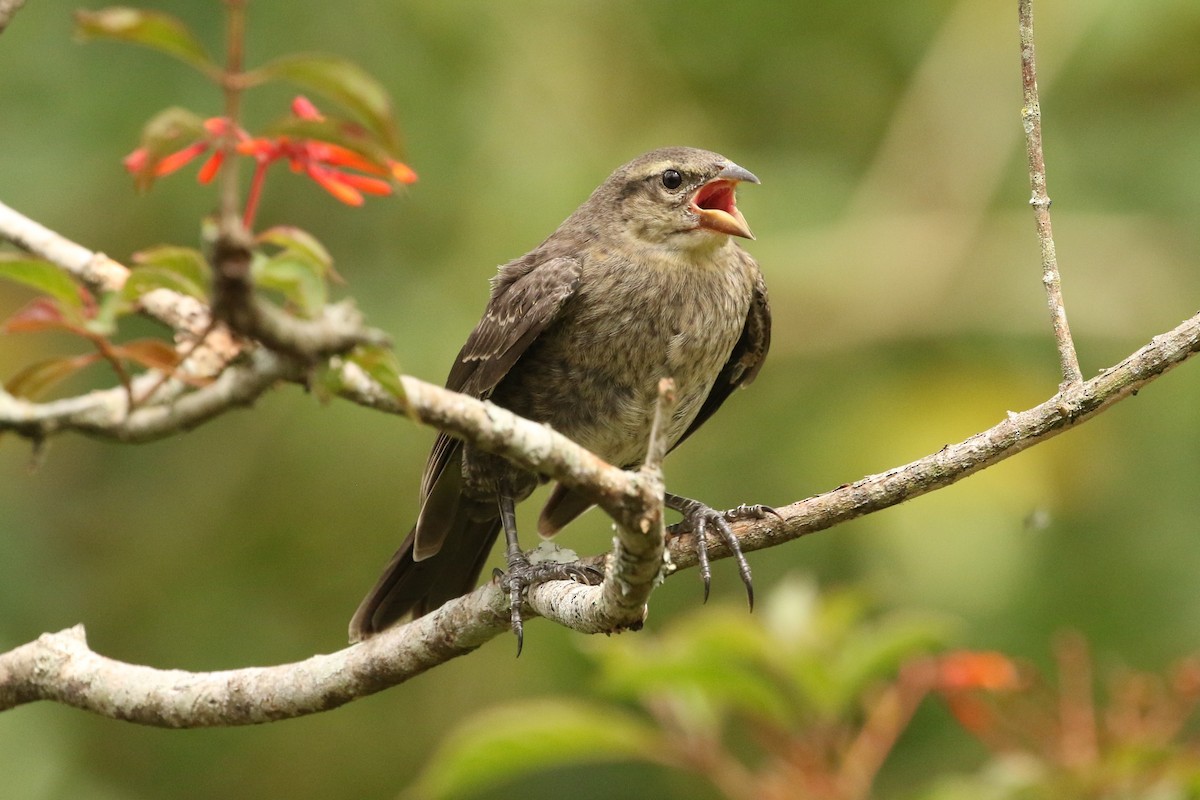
x: 893, y: 229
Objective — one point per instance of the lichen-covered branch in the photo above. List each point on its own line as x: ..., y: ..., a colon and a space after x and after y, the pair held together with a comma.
x: 94, y: 270
x: 60, y: 667
x: 279, y: 348
x: 1071, y: 407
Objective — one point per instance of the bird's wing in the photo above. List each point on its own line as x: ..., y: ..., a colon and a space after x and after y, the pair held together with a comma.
x: 745, y: 360
x: 527, y: 297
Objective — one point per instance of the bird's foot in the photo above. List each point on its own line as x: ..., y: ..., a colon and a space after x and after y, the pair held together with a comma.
x: 523, y: 575
x: 699, y: 519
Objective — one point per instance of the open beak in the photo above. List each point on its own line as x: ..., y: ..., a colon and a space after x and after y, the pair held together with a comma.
x: 715, y: 205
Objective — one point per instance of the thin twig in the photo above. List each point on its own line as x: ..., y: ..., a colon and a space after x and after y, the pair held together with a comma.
x: 229, y: 222
x: 656, y: 451
x: 1031, y: 117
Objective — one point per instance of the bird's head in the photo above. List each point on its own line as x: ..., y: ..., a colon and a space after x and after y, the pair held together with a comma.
x: 677, y: 196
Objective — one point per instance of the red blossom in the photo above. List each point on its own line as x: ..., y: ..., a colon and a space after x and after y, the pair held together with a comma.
x: 403, y: 172
x: 180, y: 158
x: 967, y: 669
x: 211, y: 167
x: 303, y: 108
x: 345, y: 173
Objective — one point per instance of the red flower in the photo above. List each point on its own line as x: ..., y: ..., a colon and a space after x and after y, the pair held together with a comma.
x: 966, y: 669
x: 303, y: 108
x: 344, y: 173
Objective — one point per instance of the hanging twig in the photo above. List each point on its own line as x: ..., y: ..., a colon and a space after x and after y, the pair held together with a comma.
x: 1031, y: 116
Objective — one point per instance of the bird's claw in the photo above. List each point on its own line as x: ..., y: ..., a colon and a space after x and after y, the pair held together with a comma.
x: 523, y: 575
x: 698, y: 518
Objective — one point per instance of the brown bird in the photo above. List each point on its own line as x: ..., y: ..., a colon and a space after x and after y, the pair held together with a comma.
x: 643, y: 281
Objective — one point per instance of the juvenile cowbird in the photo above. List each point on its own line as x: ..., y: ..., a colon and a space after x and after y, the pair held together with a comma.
x: 643, y: 281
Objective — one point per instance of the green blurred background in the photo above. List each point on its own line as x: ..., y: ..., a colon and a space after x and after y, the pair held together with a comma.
x: 894, y: 233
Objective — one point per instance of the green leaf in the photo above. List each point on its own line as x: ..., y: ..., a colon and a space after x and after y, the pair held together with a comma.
x: 181, y: 269
x: 381, y: 364
x: 147, y: 279
x: 506, y: 743
x: 718, y: 661
x: 874, y: 653
x: 289, y: 237
x: 34, y: 380
x: 345, y: 83
x: 153, y: 29
x: 187, y: 263
x: 299, y: 278
x: 44, y: 277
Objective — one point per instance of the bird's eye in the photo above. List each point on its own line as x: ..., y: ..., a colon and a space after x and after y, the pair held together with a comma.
x: 672, y: 179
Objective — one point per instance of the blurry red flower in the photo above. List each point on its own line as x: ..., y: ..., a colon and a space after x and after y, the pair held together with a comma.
x: 344, y: 173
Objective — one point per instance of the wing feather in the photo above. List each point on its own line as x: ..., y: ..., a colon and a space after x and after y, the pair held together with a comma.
x: 527, y: 297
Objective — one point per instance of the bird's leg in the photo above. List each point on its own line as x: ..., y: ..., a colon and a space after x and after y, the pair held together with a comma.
x: 518, y: 565
x: 522, y: 574
x: 699, y: 518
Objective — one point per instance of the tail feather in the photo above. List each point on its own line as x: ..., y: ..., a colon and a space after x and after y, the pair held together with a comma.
x: 562, y: 506
x: 421, y: 586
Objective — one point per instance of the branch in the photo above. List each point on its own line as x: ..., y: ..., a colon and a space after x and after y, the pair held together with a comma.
x: 1071, y: 407
x: 190, y: 318
x: 95, y: 270
x: 105, y: 413
x: 1031, y: 116
x: 61, y: 668
x: 7, y: 9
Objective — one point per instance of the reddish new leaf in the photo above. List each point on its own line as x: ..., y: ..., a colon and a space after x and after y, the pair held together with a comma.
x: 36, y: 379
x: 152, y: 353
x: 41, y: 314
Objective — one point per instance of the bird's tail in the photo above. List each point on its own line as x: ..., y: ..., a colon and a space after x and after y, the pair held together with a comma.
x: 421, y: 586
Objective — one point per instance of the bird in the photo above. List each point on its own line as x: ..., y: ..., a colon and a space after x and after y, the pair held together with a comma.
x: 644, y: 281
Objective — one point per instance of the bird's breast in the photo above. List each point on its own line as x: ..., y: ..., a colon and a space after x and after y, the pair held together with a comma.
x: 594, y: 374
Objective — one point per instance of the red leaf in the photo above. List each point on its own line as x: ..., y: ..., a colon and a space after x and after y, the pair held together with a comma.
x: 41, y: 314
x: 153, y: 353
x: 35, y: 379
